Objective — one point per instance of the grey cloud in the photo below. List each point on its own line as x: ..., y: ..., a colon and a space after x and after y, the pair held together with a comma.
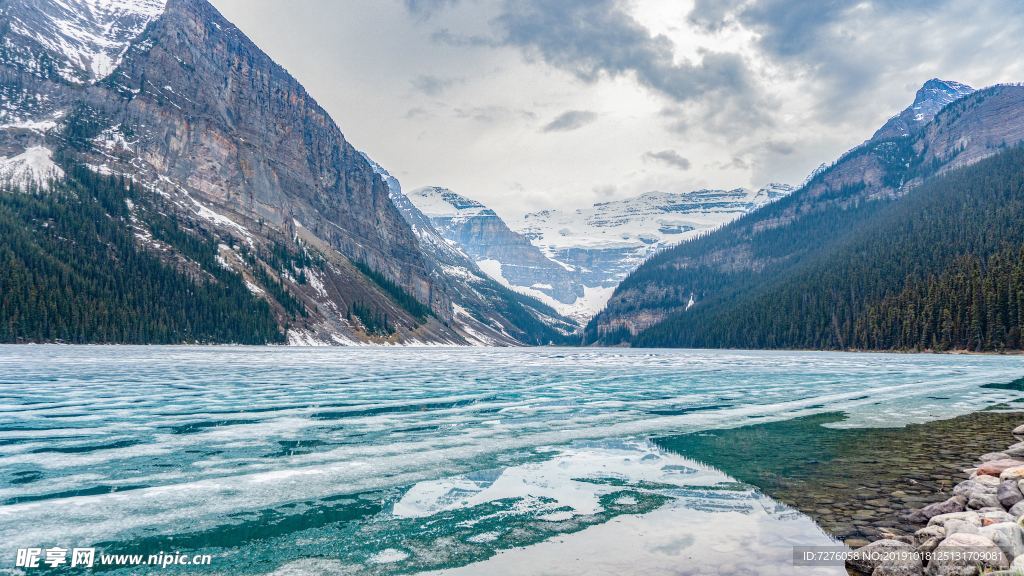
x: 591, y: 38
x: 712, y: 14
x: 736, y: 162
x: 570, y: 120
x: 779, y: 148
x: 416, y: 112
x: 852, y: 49
x: 790, y: 28
x: 427, y: 8
x: 492, y: 114
x: 446, y: 36
x: 670, y: 157
x: 433, y: 85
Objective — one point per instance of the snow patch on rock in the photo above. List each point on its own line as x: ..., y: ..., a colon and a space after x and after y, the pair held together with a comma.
x: 33, y: 166
x: 88, y: 38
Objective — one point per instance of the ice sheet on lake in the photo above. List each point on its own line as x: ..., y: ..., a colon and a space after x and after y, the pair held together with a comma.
x: 107, y: 443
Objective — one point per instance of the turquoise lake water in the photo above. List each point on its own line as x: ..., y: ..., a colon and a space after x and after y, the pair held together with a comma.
x: 407, y: 460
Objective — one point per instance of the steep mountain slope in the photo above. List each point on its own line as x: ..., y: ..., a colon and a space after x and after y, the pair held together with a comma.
x: 72, y: 272
x: 677, y: 294
x: 941, y: 268
x: 183, y: 103
x: 475, y: 294
x: 80, y: 41
x: 503, y: 254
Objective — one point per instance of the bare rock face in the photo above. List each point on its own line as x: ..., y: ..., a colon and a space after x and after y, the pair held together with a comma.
x: 929, y: 100
x: 76, y: 41
x: 217, y: 115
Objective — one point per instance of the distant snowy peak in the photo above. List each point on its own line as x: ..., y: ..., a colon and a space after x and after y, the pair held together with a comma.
x: 773, y: 192
x: 937, y: 93
x: 81, y: 41
x: 648, y: 219
x: 814, y: 173
x: 929, y: 100
x: 437, y: 202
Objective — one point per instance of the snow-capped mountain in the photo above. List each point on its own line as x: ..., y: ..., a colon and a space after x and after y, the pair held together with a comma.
x: 81, y: 41
x: 573, y: 260
x: 505, y: 255
x: 930, y: 98
x: 476, y: 294
x: 605, y: 242
x: 221, y: 143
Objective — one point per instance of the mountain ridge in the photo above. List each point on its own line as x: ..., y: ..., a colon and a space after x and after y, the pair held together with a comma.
x: 727, y: 265
x: 234, y: 146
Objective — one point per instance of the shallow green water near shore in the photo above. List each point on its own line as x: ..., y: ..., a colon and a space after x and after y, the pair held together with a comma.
x: 854, y: 482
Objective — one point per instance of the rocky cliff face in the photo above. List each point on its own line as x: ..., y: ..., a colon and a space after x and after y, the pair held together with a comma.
x: 176, y: 97
x: 77, y: 41
x: 475, y: 293
x: 502, y: 253
x: 964, y: 130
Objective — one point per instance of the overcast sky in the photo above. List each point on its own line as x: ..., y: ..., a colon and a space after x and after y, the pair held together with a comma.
x: 533, y: 104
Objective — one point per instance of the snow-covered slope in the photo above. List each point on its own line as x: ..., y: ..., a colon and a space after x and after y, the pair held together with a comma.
x: 34, y: 166
x: 438, y: 202
x: 81, y: 41
x: 573, y: 260
x: 605, y: 242
x: 503, y: 254
x: 477, y: 293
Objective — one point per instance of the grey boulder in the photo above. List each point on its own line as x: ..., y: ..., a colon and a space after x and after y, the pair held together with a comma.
x: 961, y: 527
x: 969, y: 516
x: 1009, y: 494
x: 1008, y: 536
x: 983, y: 500
x: 928, y: 538
x: 963, y: 554
x: 889, y: 556
x: 954, y: 504
x: 1017, y: 510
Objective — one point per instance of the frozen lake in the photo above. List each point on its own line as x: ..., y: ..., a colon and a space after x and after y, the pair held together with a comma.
x: 401, y: 460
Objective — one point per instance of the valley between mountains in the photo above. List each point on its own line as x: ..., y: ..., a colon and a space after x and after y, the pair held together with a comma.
x: 165, y: 181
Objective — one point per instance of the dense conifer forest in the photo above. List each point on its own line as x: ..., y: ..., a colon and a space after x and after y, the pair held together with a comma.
x: 72, y: 271
x: 941, y: 268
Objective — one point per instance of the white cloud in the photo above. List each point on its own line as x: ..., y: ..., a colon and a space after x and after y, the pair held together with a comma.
x: 526, y: 104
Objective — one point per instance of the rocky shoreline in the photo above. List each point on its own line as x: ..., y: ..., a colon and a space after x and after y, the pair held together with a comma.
x: 976, y: 529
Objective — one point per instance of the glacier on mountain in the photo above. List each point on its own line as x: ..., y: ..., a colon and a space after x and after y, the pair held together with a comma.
x: 602, y: 244
x: 572, y: 260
